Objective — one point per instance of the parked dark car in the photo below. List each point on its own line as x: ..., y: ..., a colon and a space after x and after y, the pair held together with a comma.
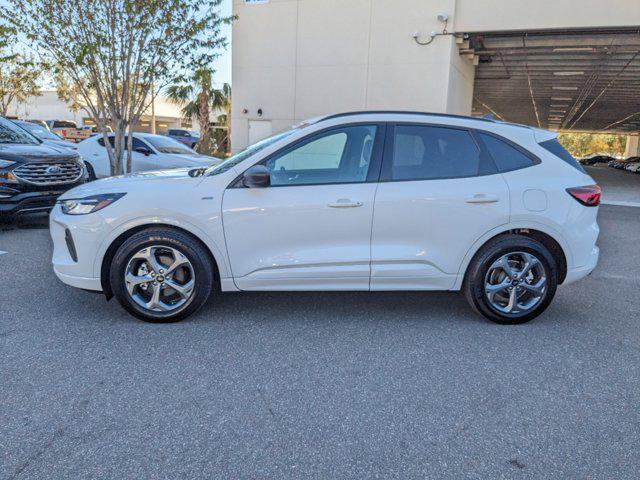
x: 631, y: 164
x: 33, y: 175
x: 45, y: 135
x: 593, y: 159
x: 188, y: 137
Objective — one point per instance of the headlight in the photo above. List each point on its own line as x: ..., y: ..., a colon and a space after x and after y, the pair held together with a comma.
x: 83, y: 206
x: 5, y: 163
x: 7, y: 177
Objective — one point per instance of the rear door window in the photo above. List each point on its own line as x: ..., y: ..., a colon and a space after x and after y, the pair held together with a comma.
x: 111, y: 141
x: 423, y: 152
x: 137, y: 143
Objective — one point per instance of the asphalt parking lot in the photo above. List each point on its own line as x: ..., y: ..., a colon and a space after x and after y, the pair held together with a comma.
x: 319, y: 385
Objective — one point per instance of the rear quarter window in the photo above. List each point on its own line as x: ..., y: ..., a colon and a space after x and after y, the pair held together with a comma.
x: 506, y: 156
x: 554, y: 146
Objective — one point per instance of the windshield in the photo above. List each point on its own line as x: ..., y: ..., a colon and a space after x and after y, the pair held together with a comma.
x: 252, y: 150
x: 11, y: 133
x: 168, y: 145
x: 38, y: 131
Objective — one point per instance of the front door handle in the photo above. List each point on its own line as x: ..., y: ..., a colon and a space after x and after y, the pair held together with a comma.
x: 345, y: 203
x: 482, y: 198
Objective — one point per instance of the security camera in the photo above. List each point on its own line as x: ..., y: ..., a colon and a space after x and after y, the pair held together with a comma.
x: 443, y: 17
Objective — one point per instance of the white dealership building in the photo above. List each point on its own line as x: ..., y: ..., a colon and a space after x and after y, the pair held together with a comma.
x: 557, y: 64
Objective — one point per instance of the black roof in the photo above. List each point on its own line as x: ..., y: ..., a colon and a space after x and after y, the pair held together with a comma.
x: 402, y: 112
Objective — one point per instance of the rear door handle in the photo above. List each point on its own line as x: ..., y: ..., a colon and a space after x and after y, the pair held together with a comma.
x: 345, y: 203
x: 482, y: 198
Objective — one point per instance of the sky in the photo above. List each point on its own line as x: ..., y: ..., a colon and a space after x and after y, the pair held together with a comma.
x: 223, y: 64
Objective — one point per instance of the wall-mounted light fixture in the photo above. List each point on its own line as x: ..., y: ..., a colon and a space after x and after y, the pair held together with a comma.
x: 442, y: 18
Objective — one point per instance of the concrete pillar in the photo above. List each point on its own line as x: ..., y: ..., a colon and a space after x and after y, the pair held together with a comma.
x: 461, y: 72
x: 633, y: 146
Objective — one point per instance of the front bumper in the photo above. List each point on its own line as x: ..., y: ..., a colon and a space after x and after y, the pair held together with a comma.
x: 76, y: 241
x: 84, y: 283
x: 19, y: 198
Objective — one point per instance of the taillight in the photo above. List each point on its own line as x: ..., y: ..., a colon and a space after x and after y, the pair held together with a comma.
x: 588, y: 196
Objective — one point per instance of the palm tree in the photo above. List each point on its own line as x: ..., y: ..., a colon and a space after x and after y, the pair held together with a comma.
x: 222, y: 103
x: 195, y: 95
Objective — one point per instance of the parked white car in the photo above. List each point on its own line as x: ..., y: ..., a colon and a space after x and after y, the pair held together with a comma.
x: 360, y: 201
x: 150, y: 152
x: 633, y: 167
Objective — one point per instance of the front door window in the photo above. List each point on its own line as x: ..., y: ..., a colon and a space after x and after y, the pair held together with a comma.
x: 338, y: 156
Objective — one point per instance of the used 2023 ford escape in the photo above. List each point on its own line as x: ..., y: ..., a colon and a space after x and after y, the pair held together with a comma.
x: 359, y: 201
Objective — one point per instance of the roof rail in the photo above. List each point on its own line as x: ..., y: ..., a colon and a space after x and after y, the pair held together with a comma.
x: 401, y: 112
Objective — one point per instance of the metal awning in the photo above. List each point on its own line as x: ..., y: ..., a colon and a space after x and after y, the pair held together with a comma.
x: 572, y: 80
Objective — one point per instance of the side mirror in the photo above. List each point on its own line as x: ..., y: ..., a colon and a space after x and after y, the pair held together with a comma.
x: 143, y: 150
x: 257, y: 177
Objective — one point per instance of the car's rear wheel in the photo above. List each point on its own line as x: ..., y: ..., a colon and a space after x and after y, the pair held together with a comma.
x: 161, y: 275
x: 511, y: 280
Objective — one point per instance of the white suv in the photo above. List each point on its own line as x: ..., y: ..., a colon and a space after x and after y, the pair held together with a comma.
x: 356, y: 201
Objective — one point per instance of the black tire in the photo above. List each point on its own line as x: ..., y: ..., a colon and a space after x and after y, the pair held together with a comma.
x: 91, y: 173
x: 474, y: 283
x: 195, y: 252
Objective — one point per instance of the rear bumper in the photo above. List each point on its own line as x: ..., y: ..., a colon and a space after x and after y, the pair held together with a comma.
x: 575, y: 274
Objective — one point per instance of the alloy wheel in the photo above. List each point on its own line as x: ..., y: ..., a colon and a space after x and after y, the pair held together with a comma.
x: 515, y: 283
x: 159, y: 279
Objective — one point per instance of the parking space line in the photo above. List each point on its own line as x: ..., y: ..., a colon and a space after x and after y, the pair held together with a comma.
x: 621, y: 203
x: 2, y: 253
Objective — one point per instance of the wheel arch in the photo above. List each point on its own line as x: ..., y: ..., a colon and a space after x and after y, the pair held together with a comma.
x: 122, y: 237
x: 552, y: 240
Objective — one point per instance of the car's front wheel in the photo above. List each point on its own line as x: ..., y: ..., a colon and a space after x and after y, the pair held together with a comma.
x: 161, y: 275
x: 511, y: 280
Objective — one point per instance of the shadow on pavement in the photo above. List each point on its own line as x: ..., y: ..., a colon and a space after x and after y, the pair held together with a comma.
x: 25, y: 222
